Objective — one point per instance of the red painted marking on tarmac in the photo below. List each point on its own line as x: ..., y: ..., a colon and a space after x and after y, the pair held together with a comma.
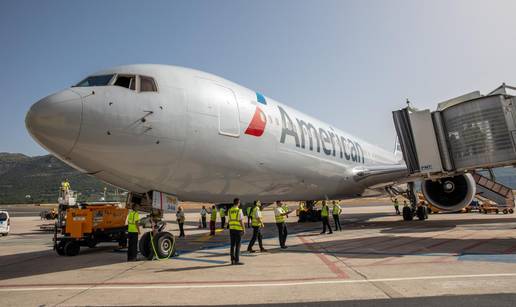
x: 165, y: 283
x: 332, y: 266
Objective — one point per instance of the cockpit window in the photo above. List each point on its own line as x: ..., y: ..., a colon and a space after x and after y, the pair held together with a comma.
x: 127, y: 81
x: 147, y: 84
x: 101, y: 80
x: 3, y: 216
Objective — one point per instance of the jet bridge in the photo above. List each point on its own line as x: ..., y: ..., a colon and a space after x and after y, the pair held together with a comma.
x: 466, y: 133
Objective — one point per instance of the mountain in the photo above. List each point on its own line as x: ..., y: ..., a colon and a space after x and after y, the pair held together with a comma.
x: 25, y: 179
x: 37, y: 179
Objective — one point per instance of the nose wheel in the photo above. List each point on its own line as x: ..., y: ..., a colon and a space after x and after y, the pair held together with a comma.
x: 160, y: 246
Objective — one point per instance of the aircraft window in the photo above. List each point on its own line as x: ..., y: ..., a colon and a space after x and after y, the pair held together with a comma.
x: 3, y: 216
x: 126, y: 81
x: 95, y: 81
x: 147, y: 84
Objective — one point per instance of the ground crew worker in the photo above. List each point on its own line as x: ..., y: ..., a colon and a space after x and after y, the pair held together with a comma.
x: 180, y: 215
x: 222, y: 213
x: 280, y: 214
x: 335, y: 211
x: 65, y: 185
x: 213, y: 220
x: 204, y: 212
x: 396, y: 205
x: 236, y: 231
x: 249, y: 218
x: 133, y: 230
x: 325, y: 217
x: 301, y: 207
x: 257, y: 223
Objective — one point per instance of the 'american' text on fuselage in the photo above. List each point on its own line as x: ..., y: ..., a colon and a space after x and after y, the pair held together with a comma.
x: 327, y: 139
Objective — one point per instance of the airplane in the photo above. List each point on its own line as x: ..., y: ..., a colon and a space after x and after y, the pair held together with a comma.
x: 203, y: 138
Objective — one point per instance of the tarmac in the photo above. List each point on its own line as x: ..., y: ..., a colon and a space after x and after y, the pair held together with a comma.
x: 376, y: 260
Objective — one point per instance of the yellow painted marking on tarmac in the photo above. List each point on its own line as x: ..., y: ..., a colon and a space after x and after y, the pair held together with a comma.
x: 243, y: 285
x: 207, y: 236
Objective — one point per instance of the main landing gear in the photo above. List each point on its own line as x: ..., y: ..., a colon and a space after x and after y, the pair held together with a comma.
x: 413, y: 210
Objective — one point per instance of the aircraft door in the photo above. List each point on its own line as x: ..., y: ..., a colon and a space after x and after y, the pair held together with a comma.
x: 229, y: 117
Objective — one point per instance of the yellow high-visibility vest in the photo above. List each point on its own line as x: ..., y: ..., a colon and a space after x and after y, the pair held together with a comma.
x: 336, y: 209
x: 65, y: 185
x: 324, y: 211
x: 213, y: 215
x: 279, y: 218
x: 234, y: 219
x: 132, y: 220
x: 255, y: 222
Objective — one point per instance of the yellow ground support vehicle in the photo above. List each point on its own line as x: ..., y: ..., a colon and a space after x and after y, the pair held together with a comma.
x: 87, y: 225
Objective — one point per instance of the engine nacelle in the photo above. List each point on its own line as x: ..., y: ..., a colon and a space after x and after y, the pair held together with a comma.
x: 450, y: 193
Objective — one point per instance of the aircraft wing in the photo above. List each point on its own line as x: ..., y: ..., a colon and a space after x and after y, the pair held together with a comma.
x: 378, y: 176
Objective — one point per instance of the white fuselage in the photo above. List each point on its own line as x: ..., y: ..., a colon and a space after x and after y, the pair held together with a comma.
x: 202, y: 138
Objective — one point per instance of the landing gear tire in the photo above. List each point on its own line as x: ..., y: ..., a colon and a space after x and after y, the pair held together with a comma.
x: 505, y: 211
x: 72, y: 248
x: 165, y: 245
x: 145, y: 246
x: 60, y: 248
x: 511, y: 211
x: 421, y: 213
x: 407, y: 214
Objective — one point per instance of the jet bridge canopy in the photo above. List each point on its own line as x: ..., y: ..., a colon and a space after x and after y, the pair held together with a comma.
x: 465, y: 133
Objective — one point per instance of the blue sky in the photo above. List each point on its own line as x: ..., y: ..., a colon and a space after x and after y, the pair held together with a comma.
x: 349, y: 63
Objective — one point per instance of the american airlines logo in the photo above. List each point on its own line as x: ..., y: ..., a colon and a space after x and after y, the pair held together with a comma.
x: 258, y: 122
x: 331, y: 143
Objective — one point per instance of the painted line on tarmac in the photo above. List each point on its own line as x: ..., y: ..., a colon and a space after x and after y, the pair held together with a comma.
x: 263, y: 285
x: 332, y: 266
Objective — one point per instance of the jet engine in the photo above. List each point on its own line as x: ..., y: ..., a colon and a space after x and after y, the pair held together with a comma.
x: 450, y: 193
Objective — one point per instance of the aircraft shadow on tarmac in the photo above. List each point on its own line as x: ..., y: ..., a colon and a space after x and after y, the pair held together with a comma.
x: 47, y: 261
x: 373, y: 247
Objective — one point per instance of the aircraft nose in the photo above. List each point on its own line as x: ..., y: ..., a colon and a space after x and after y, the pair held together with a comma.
x: 55, y: 121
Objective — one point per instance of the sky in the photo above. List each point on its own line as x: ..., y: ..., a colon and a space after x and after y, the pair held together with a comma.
x: 348, y: 63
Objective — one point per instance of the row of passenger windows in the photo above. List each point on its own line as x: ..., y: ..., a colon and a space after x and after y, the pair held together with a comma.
x: 147, y: 84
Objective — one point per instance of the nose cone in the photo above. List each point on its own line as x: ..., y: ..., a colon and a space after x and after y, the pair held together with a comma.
x: 55, y: 121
